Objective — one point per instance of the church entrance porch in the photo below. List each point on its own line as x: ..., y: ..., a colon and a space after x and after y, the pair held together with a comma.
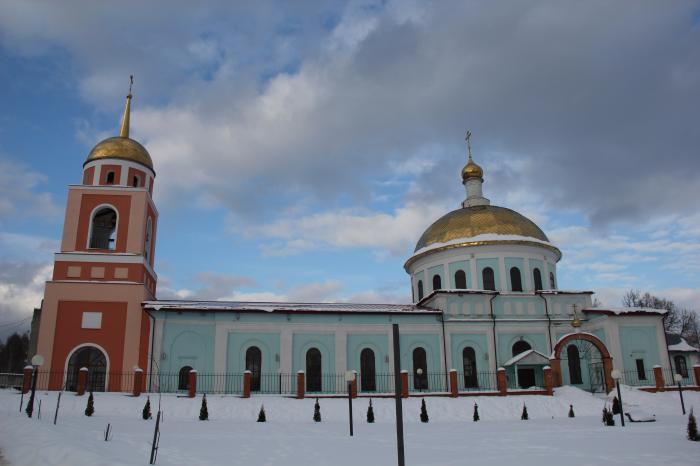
x: 575, y: 352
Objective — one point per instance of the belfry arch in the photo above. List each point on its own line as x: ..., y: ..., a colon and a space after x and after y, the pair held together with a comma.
x: 565, y: 341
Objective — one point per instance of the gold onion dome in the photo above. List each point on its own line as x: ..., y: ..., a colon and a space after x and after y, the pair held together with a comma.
x: 122, y: 147
x: 472, y: 170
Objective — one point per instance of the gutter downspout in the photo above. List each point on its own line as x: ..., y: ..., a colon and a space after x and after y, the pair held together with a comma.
x: 444, y: 351
x: 549, y: 320
x: 153, y: 340
x: 493, y: 317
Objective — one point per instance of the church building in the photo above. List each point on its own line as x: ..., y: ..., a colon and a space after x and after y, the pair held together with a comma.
x: 483, y: 282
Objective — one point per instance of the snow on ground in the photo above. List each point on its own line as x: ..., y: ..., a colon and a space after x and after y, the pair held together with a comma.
x: 290, y: 437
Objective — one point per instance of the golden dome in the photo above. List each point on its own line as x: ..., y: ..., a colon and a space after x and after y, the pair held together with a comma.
x: 122, y: 148
x: 472, y: 170
x: 470, y: 222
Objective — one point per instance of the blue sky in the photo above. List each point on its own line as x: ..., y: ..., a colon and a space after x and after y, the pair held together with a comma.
x: 302, y: 149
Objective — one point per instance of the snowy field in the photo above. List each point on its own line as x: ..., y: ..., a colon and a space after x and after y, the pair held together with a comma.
x: 290, y: 437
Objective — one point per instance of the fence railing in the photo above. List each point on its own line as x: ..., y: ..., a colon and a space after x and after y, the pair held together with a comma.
x: 8, y: 380
x: 638, y: 379
x: 481, y: 382
x: 670, y: 381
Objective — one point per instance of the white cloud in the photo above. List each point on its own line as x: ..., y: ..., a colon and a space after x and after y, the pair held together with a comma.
x: 18, y: 193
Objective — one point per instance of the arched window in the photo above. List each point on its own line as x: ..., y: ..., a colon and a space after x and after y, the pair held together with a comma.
x: 135, y: 181
x: 420, y: 369
x: 488, y: 279
x: 149, y: 235
x: 574, y: 365
x: 552, y: 283
x: 110, y: 178
x: 103, y: 233
x: 460, y: 280
x: 681, y: 366
x: 368, y: 377
x: 313, y: 370
x: 520, y: 347
x: 469, y: 366
x: 516, y: 283
x: 95, y: 361
x: 183, y: 378
x: 537, y: 276
x: 437, y: 282
x: 420, y: 290
x: 253, y: 363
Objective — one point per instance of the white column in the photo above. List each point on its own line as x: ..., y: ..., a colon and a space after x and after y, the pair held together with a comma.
x: 341, y: 351
x: 502, y: 268
x: 527, y: 283
x: 286, y: 348
x: 474, y: 278
x: 220, y: 344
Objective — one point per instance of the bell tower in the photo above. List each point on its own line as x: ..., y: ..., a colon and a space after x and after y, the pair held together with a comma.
x: 91, y: 315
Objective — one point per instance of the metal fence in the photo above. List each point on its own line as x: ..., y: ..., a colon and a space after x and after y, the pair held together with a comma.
x: 670, y: 381
x: 638, y: 379
x: 483, y: 382
x: 8, y: 380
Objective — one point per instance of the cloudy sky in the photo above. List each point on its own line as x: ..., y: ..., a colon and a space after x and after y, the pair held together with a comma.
x: 301, y: 148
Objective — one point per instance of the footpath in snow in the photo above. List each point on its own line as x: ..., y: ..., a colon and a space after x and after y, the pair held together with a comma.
x: 291, y: 437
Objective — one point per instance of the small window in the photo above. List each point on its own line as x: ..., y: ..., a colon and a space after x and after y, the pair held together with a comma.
x: 104, y: 229
x: 537, y: 276
x: 488, y: 279
x: 437, y: 282
x: 460, y: 280
x: 110, y: 177
x: 149, y: 235
x: 516, y: 283
x: 420, y: 290
x: 641, y: 372
x: 520, y: 347
x: 135, y: 181
x: 552, y: 283
x: 681, y: 366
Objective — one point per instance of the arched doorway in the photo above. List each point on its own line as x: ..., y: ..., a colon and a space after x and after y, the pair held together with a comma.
x: 96, y: 362
x: 592, y: 354
x: 183, y: 378
x: 420, y: 369
x: 469, y: 367
x: 368, y: 376
x: 253, y: 363
x: 313, y: 370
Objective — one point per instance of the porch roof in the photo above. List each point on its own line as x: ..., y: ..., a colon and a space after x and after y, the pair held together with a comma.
x: 529, y: 357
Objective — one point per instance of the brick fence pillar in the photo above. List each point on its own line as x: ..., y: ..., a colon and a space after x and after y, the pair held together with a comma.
x: 27, y: 378
x: 548, y: 380
x: 501, y: 381
x: 404, y: 384
x: 192, y: 383
x: 301, y: 389
x: 353, y: 389
x: 246, y: 384
x: 82, y: 380
x: 659, y: 378
x: 454, y: 388
x: 696, y: 373
x: 138, y: 381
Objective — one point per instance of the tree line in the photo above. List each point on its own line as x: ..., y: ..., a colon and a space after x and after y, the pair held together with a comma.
x: 13, y: 352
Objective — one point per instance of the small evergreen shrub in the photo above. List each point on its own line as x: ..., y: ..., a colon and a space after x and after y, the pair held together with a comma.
x: 423, y: 411
x: 571, y: 411
x: 261, y: 414
x: 90, y: 408
x: 524, y: 416
x: 475, y: 417
x: 616, y: 406
x: 370, y: 412
x: 317, y: 412
x: 692, y: 427
x: 146, y: 413
x: 203, y: 411
x: 608, y: 419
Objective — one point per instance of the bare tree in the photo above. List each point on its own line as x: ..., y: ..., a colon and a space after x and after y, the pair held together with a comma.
x: 681, y: 321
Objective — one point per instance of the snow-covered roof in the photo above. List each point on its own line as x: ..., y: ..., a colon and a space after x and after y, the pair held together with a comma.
x: 246, y: 306
x: 682, y: 346
x: 528, y: 357
x: 625, y: 310
x: 481, y: 238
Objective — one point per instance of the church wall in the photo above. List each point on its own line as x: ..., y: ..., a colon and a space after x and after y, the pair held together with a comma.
x: 479, y: 342
x: 536, y: 337
x: 432, y: 271
x: 187, y: 344
x: 639, y: 342
x: 520, y: 264
x: 481, y: 264
x: 453, y: 267
x: 238, y: 344
x: 379, y: 343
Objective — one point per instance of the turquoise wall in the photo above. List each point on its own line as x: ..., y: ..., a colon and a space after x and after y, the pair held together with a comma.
x: 377, y: 343
x: 538, y: 341
x: 188, y: 345
x: 303, y: 342
x: 460, y: 265
x: 432, y: 271
x: 481, y: 264
x: 461, y: 341
x: 520, y: 264
x: 431, y: 344
x: 239, y: 342
x: 537, y: 264
x: 639, y: 342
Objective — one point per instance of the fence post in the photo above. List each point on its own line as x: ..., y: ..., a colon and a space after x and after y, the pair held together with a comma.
x: 404, y: 384
x: 548, y: 380
x: 696, y: 373
x: 192, y: 383
x: 82, y: 380
x: 501, y: 381
x: 26, y: 378
x: 246, y: 384
x: 454, y: 387
x: 300, y: 385
x: 138, y: 381
x: 659, y: 378
x: 353, y: 390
